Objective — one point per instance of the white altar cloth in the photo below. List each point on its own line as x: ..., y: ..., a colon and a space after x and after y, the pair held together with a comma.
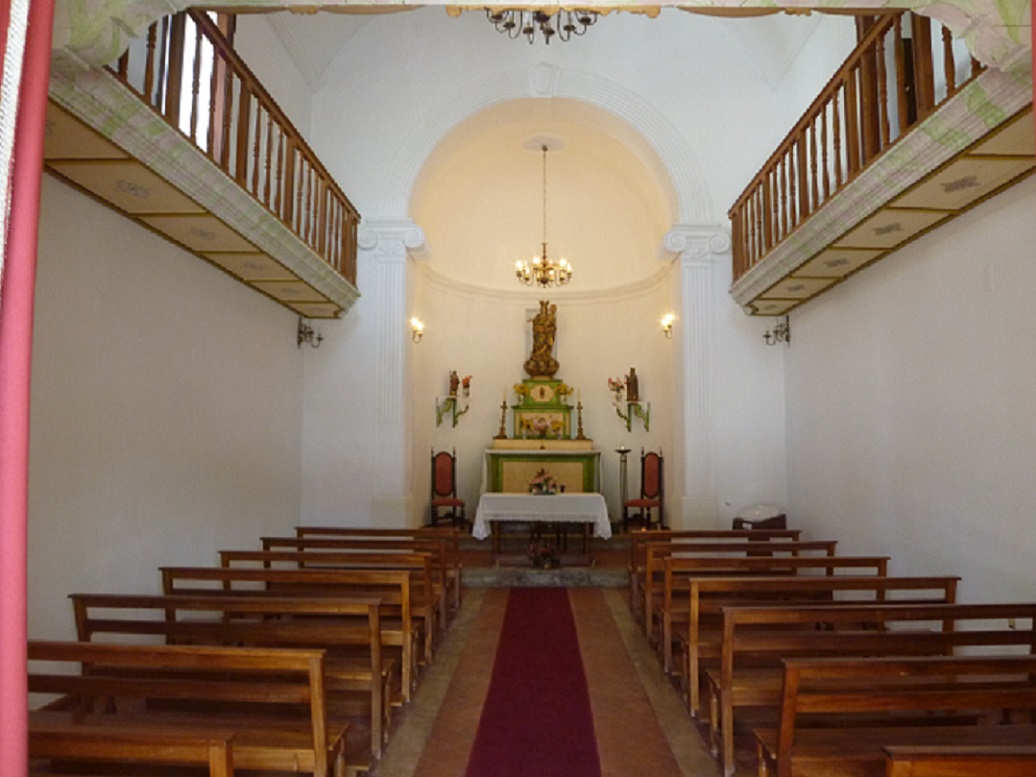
x: 573, y: 508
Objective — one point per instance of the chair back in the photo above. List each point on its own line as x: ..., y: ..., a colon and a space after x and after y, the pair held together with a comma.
x: 444, y: 473
x: 650, y: 475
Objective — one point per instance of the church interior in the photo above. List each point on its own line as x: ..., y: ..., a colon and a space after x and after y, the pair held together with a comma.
x: 179, y: 408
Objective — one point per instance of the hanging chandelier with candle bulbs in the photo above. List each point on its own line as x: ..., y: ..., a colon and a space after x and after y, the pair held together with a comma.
x: 526, y: 22
x: 541, y: 271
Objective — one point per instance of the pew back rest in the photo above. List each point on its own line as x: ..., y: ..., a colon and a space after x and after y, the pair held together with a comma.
x: 230, y: 679
x: 427, y: 587
x: 899, y: 686
x: 960, y: 761
x: 445, y: 534
x: 727, y: 566
x: 707, y: 596
x: 392, y: 587
x: 78, y: 743
x: 640, y: 539
x: 254, y: 621
x: 444, y: 552
x: 759, y: 634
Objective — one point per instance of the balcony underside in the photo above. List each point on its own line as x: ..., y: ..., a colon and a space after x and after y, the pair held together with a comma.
x: 103, y: 140
x: 976, y: 145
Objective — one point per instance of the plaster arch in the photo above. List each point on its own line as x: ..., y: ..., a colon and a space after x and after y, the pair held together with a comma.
x: 610, y: 199
x: 670, y: 158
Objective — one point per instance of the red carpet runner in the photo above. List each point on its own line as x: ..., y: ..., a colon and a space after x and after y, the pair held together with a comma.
x: 536, y: 721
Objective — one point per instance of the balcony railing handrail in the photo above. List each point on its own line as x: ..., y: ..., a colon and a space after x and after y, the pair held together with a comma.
x: 249, y: 136
x: 212, y: 32
x: 823, y: 98
x: 845, y: 129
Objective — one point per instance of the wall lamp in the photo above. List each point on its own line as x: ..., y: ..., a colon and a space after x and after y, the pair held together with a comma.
x: 416, y: 329
x: 781, y: 333
x: 307, y: 334
x: 667, y: 325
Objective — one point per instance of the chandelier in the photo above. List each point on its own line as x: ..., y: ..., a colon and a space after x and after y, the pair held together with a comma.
x: 515, y: 22
x: 541, y: 270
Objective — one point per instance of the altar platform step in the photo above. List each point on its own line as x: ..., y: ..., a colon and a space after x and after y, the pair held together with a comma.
x: 604, y: 567
x: 563, y: 576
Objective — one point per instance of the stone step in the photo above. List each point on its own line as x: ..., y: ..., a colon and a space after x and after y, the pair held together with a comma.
x: 563, y: 576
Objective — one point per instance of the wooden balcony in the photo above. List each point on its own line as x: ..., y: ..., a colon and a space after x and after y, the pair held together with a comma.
x: 180, y: 136
x: 909, y: 133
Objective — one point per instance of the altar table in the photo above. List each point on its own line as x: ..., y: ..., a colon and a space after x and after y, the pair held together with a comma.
x: 528, y: 508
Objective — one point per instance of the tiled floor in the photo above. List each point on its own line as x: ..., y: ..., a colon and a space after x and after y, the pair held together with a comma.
x: 641, y: 725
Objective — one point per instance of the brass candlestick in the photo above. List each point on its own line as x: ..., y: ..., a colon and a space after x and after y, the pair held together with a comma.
x: 579, y: 420
x: 502, y: 434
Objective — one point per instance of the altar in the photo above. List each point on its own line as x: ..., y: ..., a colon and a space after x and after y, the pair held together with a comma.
x: 547, y: 469
x: 510, y: 468
x: 529, y: 508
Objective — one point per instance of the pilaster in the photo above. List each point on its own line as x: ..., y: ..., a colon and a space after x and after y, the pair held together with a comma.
x: 698, y: 250
x: 384, y: 246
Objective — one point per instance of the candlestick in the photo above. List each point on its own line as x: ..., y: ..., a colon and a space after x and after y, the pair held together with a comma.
x: 502, y: 434
x: 579, y: 418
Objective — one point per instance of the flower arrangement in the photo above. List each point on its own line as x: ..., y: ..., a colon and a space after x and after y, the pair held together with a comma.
x: 543, y: 556
x: 617, y: 386
x: 543, y: 484
x: 521, y: 389
x: 542, y: 427
x: 563, y: 390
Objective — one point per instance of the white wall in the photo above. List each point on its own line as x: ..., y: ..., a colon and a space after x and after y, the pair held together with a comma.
x: 488, y: 337
x: 911, y: 411
x: 265, y: 54
x: 166, y: 411
x: 717, y: 94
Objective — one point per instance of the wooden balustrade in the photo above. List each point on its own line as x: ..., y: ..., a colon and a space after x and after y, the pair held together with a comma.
x: 884, y: 88
x: 189, y: 73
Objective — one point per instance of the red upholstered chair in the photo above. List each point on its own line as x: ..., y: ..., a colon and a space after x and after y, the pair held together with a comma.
x: 445, y: 506
x: 652, y: 493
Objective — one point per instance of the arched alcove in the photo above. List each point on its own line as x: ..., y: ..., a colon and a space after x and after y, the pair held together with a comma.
x: 480, y: 197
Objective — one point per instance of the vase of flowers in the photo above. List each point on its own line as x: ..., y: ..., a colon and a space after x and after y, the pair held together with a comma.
x: 543, y: 556
x: 617, y: 386
x: 543, y: 484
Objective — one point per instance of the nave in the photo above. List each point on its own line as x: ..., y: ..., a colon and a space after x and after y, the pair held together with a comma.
x: 641, y: 726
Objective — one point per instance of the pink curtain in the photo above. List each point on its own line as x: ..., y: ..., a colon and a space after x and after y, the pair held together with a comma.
x: 16, y: 300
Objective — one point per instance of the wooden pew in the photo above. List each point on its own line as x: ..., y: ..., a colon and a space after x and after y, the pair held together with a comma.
x: 700, y: 639
x: 247, y: 691
x: 399, y: 628
x: 756, y: 639
x: 445, y: 556
x: 447, y: 534
x: 348, y: 629
x: 638, y: 541
x: 77, y: 745
x: 759, y: 566
x: 427, y: 595
x: 960, y: 761
x: 655, y: 554
x: 897, y: 701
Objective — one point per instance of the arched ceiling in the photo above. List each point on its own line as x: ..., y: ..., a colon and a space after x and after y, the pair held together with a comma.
x: 998, y: 32
x: 479, y: 196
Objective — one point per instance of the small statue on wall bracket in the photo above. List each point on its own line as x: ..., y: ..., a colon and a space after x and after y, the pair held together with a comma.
x: 632, y: 386
x: 454, y: 383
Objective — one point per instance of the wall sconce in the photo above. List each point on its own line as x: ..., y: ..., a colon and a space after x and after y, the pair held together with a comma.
x: 781, y: 333
x: 416, y: 329
x: 307, y: 334
x: 667, y: 325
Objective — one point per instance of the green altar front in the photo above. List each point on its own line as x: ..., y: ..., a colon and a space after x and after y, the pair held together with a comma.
x: 511, y: 464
